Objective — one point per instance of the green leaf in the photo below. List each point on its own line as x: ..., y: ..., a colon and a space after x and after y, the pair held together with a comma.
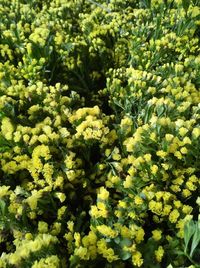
x: 179, y: 252
x: 9, y: 110
x: 2, y: 114
x: 186, y: 4
x: 125, y: 255
x: 4, y: 149
x: 117, y: 240
x: 3, y: 207
x: 148, y: 113
x: 195, y: 240
x: 160, y: 110
x: 4, y: 144
x: 74, y: 260
x: 3, y: 141
x: 189, y: 230
x: 125, y: 242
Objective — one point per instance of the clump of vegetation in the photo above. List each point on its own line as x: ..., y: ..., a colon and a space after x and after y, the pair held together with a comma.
x: 99, y: 133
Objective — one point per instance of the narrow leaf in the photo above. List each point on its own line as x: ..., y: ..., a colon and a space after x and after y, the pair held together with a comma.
x: 2, y: 207
x: 195, y: 241
x: 186, y: 4
x: 189, y: 230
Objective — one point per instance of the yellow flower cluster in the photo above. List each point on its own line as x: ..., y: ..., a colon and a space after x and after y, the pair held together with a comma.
x: 99, y: 132
x: 28, y: 246
x: 108, y: 253
x: 7, y: 128
x: 90, y: 127
x: 106, y: 231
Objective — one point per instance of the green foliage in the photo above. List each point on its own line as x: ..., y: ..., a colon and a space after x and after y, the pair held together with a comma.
x: 99, y: 133
x: 192, y: 241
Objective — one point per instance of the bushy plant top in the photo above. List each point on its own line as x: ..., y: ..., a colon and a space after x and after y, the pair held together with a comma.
x: 99, y: 133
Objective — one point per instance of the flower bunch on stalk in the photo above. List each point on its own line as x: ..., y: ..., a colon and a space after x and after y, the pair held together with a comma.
x: 99, y: 133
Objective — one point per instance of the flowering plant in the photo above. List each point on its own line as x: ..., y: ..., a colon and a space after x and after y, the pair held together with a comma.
x: 99, y: 133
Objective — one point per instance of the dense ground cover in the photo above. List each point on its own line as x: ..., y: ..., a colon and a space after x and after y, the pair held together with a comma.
x: 99, y: 133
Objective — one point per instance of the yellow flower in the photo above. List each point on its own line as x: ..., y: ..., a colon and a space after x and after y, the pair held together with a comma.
x: 89, y: 239
x: 59, y: 182
x: 178, y: 155
x: 103, y: 194
x: 60, y: 196
x: 196, y: 132
x: 195, y: 11
x: 82, y: 253
x: 154, y: 169
x: 92, y: 237
x: 113, y: 179
x: 102, y: 245
x: 157, y: 235
x: 94, y: 212
x: 175, y: 188
x: 28, y: 236
x: 187, y: 209
x: 183, y: 131
x: 125, y: 231
x: 122, y: 204
x: 138, y: 200
x: 26, y: 138
x: 173, y: 147
x: 184, y: 150
x: 61, y: 212
x: 42, y: 227
x: 129, y: 144
x: 48, y: 171
x: 116, y: 156
x: 159, y: 253
x: 47, y: 262
x: 128, y: 182
x: 147, y: 157
x: 169, y: 137
x: 186, y: 193
x: 173, y: 216
x: 107, y: 231
x: 14, y: 259
x: 82, y: 112
x: 165, y: 166
x: 41, y: 151
x: 43, y: 138
x: 70, y: 226
x: 64, y: 132
x: 155, y: 207
x: 132, y: 170
x: 137, y: 259
x: 33, y: 199
x: 36, y: 163
x: 77, y: 238
x: 32, y: 215
x: 131, y: 214
x: 193, y: 179
x: 139, y: 235
x: 4, y: 190
x: 109, y: 254
x: 102, y: 210
x: 153, y: 136
x: 126, y: 124
x: 7, y: 128
x: 191, y: 186
x: 71, y: 175
x: 186, y: 140
x: 2, y: 263
x: 161, y: 153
